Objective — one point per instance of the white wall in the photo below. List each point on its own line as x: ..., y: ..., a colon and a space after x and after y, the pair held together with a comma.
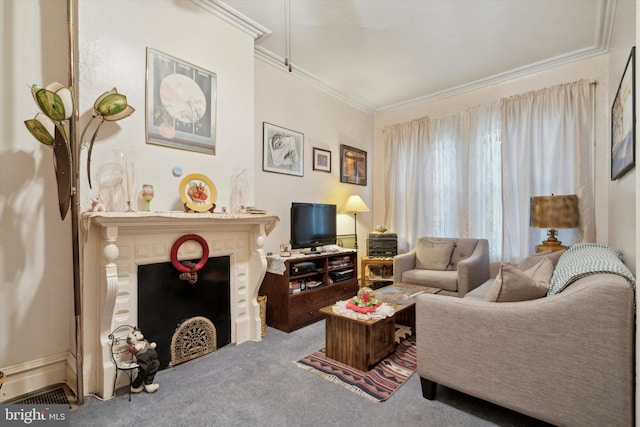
x: 114, y: 35
x: 595, y: 68
x: 286, y: 100
x: 36, y: 284
x: 622, y: 212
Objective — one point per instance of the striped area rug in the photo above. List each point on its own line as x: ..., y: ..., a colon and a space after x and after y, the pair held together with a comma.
x: 379, y: 383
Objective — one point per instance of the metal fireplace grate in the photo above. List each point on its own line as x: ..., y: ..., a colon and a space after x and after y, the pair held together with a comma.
x: 193, y: 338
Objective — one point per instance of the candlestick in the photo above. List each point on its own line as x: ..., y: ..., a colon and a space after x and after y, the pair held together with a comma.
x: 129, y: 174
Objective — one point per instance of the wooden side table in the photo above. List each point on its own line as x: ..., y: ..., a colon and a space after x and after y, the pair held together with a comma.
x: 376, y: 261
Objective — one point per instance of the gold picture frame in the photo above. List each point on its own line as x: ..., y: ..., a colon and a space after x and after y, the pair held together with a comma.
x: 353, y: 165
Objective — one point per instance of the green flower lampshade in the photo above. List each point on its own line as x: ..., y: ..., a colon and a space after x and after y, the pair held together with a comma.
x: 42, y: 128
x: 110, y: 106
x: 55, y: 101
x: 50, y: 128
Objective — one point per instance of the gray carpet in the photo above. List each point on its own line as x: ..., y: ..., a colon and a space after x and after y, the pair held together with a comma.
x: 213, y: 391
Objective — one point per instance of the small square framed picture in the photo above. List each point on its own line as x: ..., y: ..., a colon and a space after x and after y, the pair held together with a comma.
x: 321, y: 160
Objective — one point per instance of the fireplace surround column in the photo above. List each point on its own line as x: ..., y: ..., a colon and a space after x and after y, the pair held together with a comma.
x: 111, y: 253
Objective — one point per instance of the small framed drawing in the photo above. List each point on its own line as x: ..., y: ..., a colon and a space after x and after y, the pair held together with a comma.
x: 353, y: 165
x: 321, y: 160
x: 282, y: 150
x: 181, y: 104
x: 623, y: 125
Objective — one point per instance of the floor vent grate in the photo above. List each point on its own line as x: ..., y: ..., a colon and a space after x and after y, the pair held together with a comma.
x: 50, y: 396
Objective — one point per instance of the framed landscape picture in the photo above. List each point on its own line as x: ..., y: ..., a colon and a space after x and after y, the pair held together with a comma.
x: 623, y: 125
x: 321, y: 160
x: 353, y: 165
x: 282, y: 150
x: 181, y: 104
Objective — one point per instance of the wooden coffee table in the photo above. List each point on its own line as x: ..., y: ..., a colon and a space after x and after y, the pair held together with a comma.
x: 361, y: 343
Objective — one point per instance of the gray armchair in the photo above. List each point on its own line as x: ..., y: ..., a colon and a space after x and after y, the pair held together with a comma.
x: 454, y: 265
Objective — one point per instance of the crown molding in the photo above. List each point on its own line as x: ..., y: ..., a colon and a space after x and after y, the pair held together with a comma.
x: 498, y: 78
x: 278, y: 62
x: 603, y: 29
x: 257, y: 31
x: 604, y: 23
x: 233, y: 17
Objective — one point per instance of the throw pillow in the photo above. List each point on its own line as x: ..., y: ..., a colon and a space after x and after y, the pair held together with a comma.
x: 432, y: 255
x: 533, y: 259
x: 512, y: 284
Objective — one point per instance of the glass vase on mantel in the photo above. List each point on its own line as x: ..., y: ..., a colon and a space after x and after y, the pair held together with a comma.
x: 126, y: 160
x: 111, y: 179
x: 239, y: 191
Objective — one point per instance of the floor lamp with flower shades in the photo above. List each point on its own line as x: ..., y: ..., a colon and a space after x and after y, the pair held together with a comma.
x: 55, y: 126
x: 355, y: 204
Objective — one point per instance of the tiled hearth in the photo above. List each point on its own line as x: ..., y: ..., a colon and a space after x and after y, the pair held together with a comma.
x: 115, y: 243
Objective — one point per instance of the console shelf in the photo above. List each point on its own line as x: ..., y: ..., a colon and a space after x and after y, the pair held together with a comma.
x: 289, y: 309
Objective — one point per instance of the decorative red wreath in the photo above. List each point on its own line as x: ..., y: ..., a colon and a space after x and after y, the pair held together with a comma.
x: 174, y: 253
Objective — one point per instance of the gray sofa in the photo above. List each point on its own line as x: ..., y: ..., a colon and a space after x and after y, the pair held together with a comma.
x: 465, y: 268
x: 566, y: 359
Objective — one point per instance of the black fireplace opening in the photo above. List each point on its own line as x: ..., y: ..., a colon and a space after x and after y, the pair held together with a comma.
x: 165, y: 301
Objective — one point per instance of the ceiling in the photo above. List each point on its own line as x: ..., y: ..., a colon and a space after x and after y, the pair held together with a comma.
x: 386, y: 54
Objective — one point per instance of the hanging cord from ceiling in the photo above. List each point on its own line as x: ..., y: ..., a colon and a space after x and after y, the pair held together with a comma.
x: 287, y: 34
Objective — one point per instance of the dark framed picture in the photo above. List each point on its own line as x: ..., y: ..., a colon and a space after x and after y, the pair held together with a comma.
x: 181, y: 104
x: 623, y: 124
x: 353, y: 165
x: 321, y: 160
x: 282, y: 150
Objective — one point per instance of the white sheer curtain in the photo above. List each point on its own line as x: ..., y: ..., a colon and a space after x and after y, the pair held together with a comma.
x: 443, y: 177
x: 547, y: 145
x: 472, y: 173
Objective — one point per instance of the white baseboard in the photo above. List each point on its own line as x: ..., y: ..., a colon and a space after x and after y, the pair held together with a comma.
x: 36, y: 374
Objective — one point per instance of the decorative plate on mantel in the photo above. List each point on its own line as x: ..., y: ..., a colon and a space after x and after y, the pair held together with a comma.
x: 198, y: 192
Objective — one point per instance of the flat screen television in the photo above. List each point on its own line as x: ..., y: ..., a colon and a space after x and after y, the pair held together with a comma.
x: 312, y: 225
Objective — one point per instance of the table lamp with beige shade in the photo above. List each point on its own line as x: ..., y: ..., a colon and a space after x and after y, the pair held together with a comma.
x: 554, y: 212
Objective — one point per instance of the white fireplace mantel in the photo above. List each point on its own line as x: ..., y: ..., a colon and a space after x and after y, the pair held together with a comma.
x: 115, y: 243
x: 177, y: 219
